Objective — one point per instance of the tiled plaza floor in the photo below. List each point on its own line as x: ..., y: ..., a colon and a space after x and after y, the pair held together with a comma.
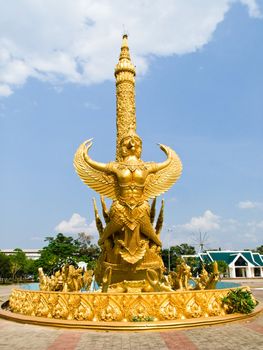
x: 241, y: 335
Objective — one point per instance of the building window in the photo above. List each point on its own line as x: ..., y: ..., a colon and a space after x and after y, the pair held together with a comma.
x: 241, y: 272
x: 241, y: 262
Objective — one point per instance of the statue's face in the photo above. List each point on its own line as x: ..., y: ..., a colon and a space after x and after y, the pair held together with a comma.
x: 131, y: 145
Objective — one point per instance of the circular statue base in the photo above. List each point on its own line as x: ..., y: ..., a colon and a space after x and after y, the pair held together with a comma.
x: 120, y: 311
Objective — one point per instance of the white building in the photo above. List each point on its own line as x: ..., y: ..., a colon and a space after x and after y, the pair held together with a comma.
x: 245, y: 263
x: 30, y: 253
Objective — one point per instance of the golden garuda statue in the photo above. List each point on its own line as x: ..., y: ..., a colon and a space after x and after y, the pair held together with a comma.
x: 129, y: 242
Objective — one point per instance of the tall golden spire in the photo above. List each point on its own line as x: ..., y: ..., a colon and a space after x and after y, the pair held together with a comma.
x: 125, y: 94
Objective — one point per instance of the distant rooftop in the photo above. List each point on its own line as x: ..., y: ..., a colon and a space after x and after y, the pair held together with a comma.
x: 30, y: 253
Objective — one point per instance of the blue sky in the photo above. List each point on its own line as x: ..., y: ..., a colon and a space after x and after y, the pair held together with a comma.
x: 198, y: 90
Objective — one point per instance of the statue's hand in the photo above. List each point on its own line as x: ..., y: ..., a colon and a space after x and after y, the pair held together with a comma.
x: 100, y: 242
x: 164, y: 148
x: 88, y: 144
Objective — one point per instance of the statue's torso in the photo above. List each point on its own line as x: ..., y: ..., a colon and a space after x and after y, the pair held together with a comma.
x: 131, y: 180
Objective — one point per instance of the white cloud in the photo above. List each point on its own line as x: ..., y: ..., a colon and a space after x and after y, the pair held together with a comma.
x: 240, y: 234
x: 78, y: 40
x: 216, y: 231
x: 92, y: 106
x: 5, y: 90
x: 250, y: 205
x: 76, y: 224
x: 207, y: 222
x: 254, y: 225
x: 253, y: 8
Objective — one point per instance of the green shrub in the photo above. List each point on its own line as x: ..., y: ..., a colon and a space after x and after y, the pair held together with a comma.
x: 142, y: 318
x: 239, y: 301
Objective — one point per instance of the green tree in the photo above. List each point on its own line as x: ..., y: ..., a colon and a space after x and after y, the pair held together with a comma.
x: 184, y: 249
x: 31, y: 268
x: 221, y: 264
x: 87, y: 252
x: 222, y: 267
x: 165, y: 257
x: 62, y: 246
x: 259, y: 250
x: 65, y: 249
x: 84, y: 241
x: 5, y: 266
x: 176, y: 252
x: 59, y: 251
x: 18, y: 263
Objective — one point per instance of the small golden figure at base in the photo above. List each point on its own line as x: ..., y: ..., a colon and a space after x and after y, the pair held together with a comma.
x: 67, y: 279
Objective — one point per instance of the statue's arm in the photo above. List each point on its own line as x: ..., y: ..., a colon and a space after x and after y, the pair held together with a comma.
x: 95, y: 165
x: 159, y: 166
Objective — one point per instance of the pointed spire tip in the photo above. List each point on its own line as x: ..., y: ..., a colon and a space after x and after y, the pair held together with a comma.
x: 124, y: 40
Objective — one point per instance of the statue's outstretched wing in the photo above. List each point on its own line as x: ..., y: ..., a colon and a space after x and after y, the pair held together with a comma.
x: 100, y: 181
x: 160, y: 182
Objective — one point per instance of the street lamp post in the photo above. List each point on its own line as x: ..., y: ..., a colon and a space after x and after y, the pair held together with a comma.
x: 169, y: 252
x: 169, y: 260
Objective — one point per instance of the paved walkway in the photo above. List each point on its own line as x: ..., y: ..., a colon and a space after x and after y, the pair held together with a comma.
x: 247, y: 335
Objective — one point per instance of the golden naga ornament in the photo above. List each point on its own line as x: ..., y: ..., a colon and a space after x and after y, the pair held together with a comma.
x: 130, y: 244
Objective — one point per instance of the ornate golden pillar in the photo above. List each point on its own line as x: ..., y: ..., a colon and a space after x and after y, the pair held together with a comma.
x: 125, y: 94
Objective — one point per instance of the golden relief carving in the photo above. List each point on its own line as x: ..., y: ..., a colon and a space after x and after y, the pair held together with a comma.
x: 117, y: 306
x: 125, y: 95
